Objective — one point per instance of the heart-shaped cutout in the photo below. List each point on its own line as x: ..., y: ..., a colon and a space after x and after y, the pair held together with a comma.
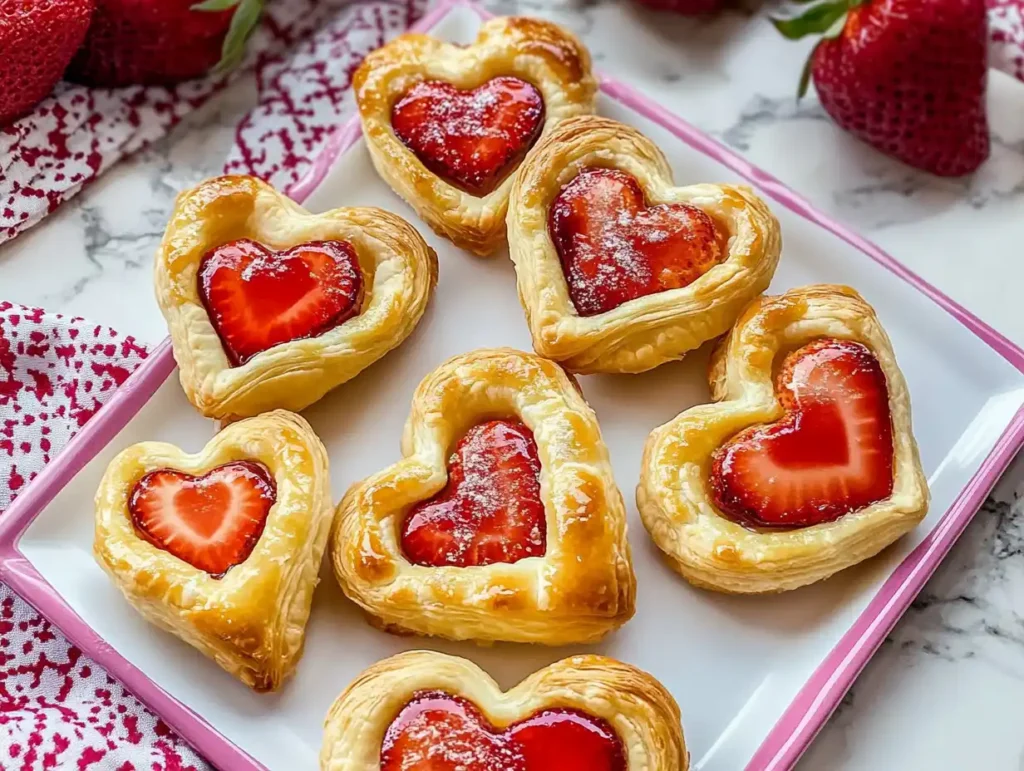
x: 257, y: 298
x: 474, y: 138
x: 830, y: 455
x: 436, y: 731
x: 213, y: 521
x: 615, y: 248
x: 490, y: 511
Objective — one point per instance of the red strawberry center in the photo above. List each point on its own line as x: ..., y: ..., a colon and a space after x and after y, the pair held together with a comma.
x: 831, y: 453
x: 257, y: 298
x: 614, y: 248
x: 472, y: 139
x: 490, y: 510
x: 213, y: 521
x: 439, y: 732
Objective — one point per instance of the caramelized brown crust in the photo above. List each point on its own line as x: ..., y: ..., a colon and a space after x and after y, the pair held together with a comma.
x: 639, y: 709
x: 647, y: 331
x: 673, y: 496
x: 584, y: 585
x: 536, y: 51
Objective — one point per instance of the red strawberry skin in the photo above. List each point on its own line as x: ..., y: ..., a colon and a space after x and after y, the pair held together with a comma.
x: 149, y: 42
x: 831, y: 454
x: 909, y: 78
x: 38, y: 38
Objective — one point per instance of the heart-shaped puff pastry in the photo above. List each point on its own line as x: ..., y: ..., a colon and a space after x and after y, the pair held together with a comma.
x: 574, y: 586
x: 730, y: 242
x: 260, y: 491
x: 542, y: 58
x: 384, y: 272
x: 423, y: 709
x: 676, y: 495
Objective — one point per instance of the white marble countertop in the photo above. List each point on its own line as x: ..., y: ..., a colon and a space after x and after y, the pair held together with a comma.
x: 946, y: 689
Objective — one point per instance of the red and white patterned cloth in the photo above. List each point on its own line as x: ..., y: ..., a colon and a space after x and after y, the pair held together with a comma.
x: 1006, y: 36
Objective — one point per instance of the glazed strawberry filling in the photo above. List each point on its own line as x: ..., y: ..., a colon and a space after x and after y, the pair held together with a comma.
x: 831, y: 453
x: 213, y: 521
x: 614, y: 248
x: 490, y: 510
x: 257, y: 298
x: 439, y: 732
x: 473, y: 139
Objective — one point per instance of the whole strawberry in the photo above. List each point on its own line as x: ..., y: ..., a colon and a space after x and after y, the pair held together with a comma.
x: 907, y: 76
x: 37, y: 40
x: 684, y: 7
x: 162, y: 41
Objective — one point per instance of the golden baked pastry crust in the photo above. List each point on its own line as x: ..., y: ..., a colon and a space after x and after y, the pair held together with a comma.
x: 252, y: 620
x: 639, y: 709
x: 647, y: 331
x: 674, y: 499
x: 399, y: 272
x: 584, y: 585
x: 536, y: 51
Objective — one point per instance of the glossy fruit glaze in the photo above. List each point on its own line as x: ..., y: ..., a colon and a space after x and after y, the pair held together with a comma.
x: 213, y: 521
x: 439, y: 732
x: 831, y: 453
x: 257, y: 298
x: 615, y: 248
x: 490, y: 510
x: 472, y: 139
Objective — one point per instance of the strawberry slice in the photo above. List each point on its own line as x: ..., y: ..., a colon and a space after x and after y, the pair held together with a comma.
x: 614, y: 248
x: 213, y: 521
x: 257, y: 298
x: 830, y: 455
x: 439, y: 732
x: 490, y: 510
x: 472, y: 139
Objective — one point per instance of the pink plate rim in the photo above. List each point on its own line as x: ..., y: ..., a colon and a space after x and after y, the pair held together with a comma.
x: 819, y: 696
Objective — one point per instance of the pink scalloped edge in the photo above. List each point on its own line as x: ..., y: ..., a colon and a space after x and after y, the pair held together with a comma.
x: 819, y: 696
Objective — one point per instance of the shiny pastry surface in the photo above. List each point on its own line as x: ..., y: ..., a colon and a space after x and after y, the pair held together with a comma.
x: 258, y: 298
x: 619, y: 269
x: 829, y: 455
x: 502, y: 520
x: 222, y: 552
x: 422, y: 710
x: 615, y: 248
x: 490, y: 510
x: 447, y: 125
x: 271, y: 307
x: 804, y: 465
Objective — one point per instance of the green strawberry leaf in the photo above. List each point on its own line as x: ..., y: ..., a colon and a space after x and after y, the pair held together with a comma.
x: 214, y: 5
x: 805, y: 75
x: 243, y: 24
x: 814, y: 20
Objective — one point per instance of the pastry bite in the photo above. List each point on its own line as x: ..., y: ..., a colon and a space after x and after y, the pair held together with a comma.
x: 502, y: 521
x: 447, y: 125
x: 620, y: 270
x: 804, y: 465
x: 222, y: 548
x: 421, y: 710
x: 270, y: 306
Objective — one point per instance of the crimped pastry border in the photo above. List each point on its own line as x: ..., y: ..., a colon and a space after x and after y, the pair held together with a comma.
x: 675, y: 504
x: 642, y: 333
x: 643, y: 714
x: 584, y: 585
x: 252, y: 620
x: 399, y: 271
x: 537, y: 51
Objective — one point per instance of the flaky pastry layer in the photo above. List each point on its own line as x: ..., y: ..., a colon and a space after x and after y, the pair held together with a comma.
x: 582, y: 588
x: 252, y: 621
x: 533, y: 50
x: 674, y: 494
x: 647, y: 331
x: 399, y: 272
x: 643, y: 714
